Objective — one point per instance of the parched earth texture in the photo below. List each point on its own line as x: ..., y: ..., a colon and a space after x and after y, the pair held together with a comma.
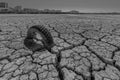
x: 87, y: 47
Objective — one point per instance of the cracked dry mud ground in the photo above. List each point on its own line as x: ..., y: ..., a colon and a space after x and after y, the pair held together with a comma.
x: 87, y: 48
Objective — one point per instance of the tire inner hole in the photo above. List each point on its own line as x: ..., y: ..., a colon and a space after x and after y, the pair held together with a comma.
x: 38, y: 38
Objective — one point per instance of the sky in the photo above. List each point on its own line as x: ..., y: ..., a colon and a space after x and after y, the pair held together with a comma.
x: 66, y: 5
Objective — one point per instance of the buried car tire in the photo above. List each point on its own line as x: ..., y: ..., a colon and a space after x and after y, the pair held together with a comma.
x: 47, y: 40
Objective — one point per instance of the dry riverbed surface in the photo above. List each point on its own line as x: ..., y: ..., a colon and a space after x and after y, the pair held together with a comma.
x: 87, y: 47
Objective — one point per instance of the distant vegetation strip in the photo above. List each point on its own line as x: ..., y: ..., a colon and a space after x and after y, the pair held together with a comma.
x: 19, y: 10
x: 57, y: 13
x: 6, y: 9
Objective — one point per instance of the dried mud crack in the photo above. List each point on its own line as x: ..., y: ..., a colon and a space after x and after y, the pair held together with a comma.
x: 59, y: 47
